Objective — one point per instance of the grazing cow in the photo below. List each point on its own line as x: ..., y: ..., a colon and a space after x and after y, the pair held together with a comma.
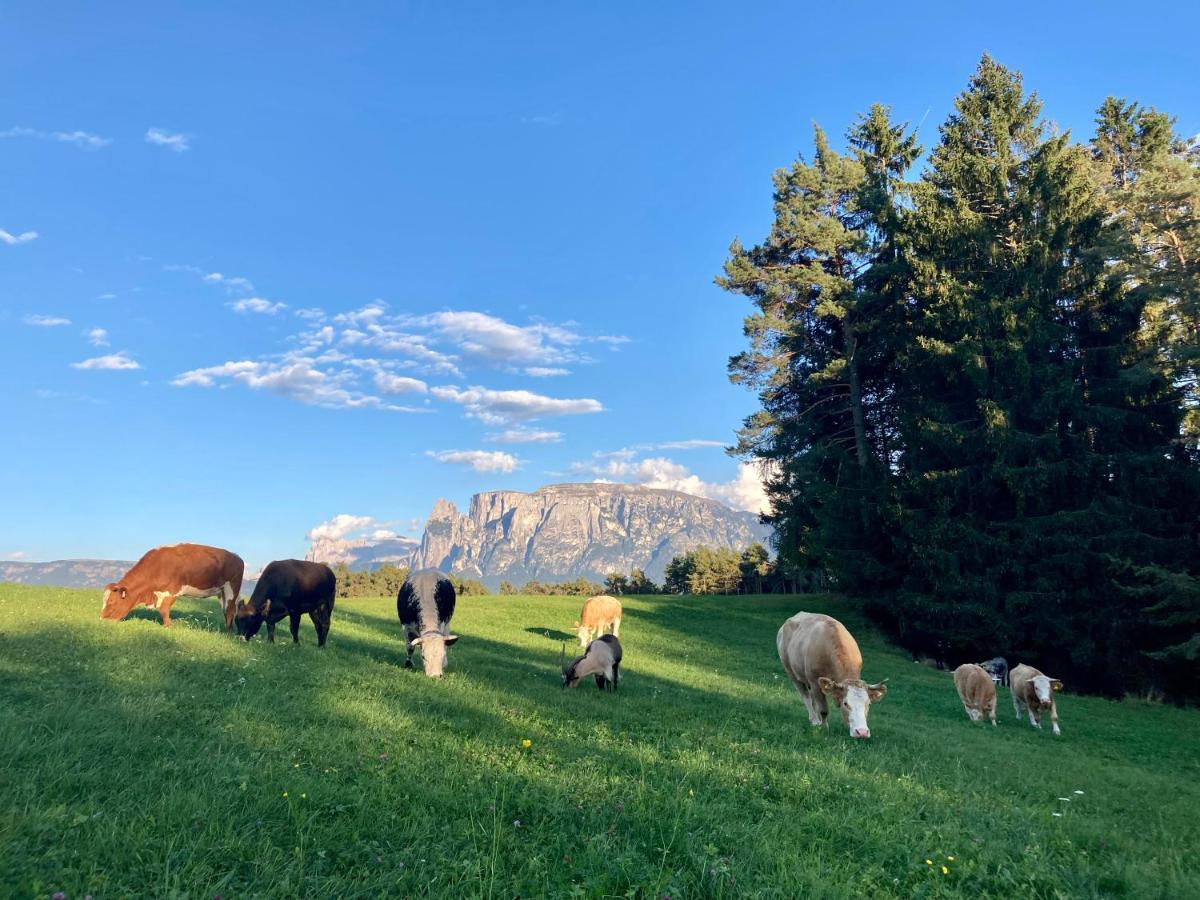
x: 821, y: 657
x: 602, y: 659
x: 290, y: 587
x: 601, y: 613
x: 180, y: 570
x: 425, y: 604
x: 1035, y: 692
x: 997, y: 667
x: 977, y: 692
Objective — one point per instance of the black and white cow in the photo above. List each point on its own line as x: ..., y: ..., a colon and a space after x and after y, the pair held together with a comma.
x: 289, y: 588
x: 425, y: 604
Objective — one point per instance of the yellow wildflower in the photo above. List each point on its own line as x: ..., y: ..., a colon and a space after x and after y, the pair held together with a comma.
x: 929, y: 862
x: 527, y: 743
x: 945, y: 871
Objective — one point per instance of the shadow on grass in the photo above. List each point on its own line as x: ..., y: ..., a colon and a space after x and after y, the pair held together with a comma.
x: 553, y: 634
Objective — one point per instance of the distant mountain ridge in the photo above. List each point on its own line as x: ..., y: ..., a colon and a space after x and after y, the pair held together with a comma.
x: 561, y: 532
x: 74, y: 573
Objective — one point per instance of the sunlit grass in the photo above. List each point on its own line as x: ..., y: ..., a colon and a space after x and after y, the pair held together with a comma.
x: 139, y: 761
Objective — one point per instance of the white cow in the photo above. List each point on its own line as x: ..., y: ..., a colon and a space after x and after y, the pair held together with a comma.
x: 822, y: 657
x: 1035, y: 692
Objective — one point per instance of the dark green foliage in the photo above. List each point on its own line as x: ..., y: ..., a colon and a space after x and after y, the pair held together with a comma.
x: 580, y: 587
x: 979, y: 388
x: 382, y: 582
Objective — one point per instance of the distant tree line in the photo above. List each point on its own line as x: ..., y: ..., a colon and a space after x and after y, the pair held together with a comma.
x: 722, y: 570
x: 386, y: 581
x: 580, y: 587
x: 979, y: 387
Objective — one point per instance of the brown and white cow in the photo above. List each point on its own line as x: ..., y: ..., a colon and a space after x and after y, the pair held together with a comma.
x: 599, y: 613
x: 1035, y: 692
x: 822, y: 657
x: 977, y: 692
x: 180, y: 570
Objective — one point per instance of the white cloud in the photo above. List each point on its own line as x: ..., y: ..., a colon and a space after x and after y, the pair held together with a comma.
x: 13, y: 239
x: 312, y: 313
x: 46, y: 321
x: 398, y: 384
x: 163, y: 138
x: 745, y: 491
x: 295, y: 377
x: 78, y: 138
x: 505, y: 407
x: 338, y: 527
x: 479, y: 460
x: 693, y: 444
x: 106, y: 297
x: 17, y: 555
x: 97, y: 337
x: 483, y: 335
x: 523, y: 436
x: 544, y: 372
x: 115, y: 361
x: 233, y: 283
x: 256, y: 305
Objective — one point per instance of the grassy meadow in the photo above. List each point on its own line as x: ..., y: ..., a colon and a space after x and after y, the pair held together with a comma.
x: 137, y: 761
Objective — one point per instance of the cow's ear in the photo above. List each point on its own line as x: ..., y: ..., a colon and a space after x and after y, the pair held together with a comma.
x: 876, y: 691
x: 450, y: 639
x: 1055, y: 685
x: 827, y: 684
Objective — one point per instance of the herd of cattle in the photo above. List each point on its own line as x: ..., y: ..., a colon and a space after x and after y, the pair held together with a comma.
x: 818, y: 653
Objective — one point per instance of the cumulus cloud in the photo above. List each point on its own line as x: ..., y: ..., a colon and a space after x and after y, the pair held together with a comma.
x: 78, y: 138
x: 97, y: 337
x: 300, y: 378
x: 479, y: 460
x: 486, y: 336
x: 17, y: 555
x: 230, y: 282
x: 162, y: 138
x: 505, y: 407
x: 523, y: 436
x: 545, y: 372
x: 46, y: 321
x: 256, y: 305
x: 745, y: 491
x: 339, y: 527
x: 119, y: 361
x: 13, y: 239
x: 398, y: 384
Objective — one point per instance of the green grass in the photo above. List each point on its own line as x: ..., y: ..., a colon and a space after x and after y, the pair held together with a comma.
x: 143, y: 762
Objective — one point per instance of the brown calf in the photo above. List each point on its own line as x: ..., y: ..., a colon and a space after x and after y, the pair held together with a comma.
x: 977, y: 692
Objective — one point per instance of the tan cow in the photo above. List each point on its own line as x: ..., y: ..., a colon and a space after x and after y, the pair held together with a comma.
x: 977, y: 692
x: 181, y: 570
x: 599, y: 613
x: 822, y: 657
x: 1035, y: 692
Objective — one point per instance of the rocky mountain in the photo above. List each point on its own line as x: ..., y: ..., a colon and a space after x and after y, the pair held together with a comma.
x: 75, y: 573
x: 363, y: 553
x: 564, y: 531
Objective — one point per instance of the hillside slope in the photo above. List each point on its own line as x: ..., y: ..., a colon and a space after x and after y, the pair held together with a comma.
x: 296, y: 771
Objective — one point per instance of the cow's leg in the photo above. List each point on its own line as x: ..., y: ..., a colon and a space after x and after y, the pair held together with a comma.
x: 821, y: 707
x: 1016, y: 707
x: 616, y: 675
x: 992, y: 712
x: 1054, y: 718
x: 271, y: 629
x: 295, y: 626
x: 229, y: 604
x: 164, y: 609
x: 1035, y: 717
x: 320, y: 620
x: 617, y: 627
x: 408, y: 663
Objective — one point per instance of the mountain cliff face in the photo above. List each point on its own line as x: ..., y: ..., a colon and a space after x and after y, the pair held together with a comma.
x: 564, y: 531
x: 362, y: 554
x: 75, y: 573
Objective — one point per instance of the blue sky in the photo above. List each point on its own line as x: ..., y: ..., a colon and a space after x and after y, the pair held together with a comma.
x: 309, y: 261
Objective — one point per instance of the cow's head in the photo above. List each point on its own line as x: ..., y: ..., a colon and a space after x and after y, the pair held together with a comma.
x: 118, y: 601
x: 433, y: 651
x: 584, y: 632
x: 1044, y: 689
x: 854, y: 696
x: 249, y: 619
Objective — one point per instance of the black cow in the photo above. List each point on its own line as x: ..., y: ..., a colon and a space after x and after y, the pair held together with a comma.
x: 290, y: 587
x: 997, y: 667
x: 425, y: 604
